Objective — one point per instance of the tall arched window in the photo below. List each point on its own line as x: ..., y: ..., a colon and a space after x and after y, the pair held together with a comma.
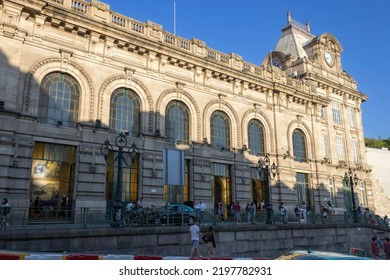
x: 177, y: 122
x: 59, y: 100
x: 220, y: 130
x: 125, y: 111
x: 256, y: 137
x: 299, y: 145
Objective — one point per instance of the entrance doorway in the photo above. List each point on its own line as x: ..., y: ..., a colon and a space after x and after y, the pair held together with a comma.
x: 52, y: 181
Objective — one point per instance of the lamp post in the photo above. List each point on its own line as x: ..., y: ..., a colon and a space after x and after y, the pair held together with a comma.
x: 352, y: 180
x: 124, y: 155
x: 267, y: 172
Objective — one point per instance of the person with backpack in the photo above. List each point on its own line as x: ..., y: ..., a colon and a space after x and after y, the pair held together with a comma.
x: 298, y: 212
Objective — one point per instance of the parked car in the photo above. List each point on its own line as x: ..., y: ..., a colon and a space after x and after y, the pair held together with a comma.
x: 176, y: 214
x: 318, y: 255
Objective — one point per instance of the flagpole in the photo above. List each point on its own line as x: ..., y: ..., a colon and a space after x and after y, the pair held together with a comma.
x: 174, y: 17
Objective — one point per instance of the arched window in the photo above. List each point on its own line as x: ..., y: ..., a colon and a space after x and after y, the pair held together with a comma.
x: 256, y: 137
x: 59, y: 100
x: 177, y: 123
x: 125, y: 111
x: 220, y: 130
x: 299, y: 145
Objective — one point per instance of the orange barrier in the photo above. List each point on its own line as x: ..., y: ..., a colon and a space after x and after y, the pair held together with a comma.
x: 148, y: 257
x: 81, y: 257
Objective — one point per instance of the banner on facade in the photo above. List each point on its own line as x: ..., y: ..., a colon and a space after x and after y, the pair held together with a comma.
x: 173, y: 167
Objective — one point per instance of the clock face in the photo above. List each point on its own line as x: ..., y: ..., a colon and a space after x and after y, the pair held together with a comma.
x: 328, y: 58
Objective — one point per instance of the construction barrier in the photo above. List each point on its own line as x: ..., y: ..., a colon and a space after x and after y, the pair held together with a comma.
x: 175, y: 258
x: 44, y: 256
x: 49, y: 256
x: 198, y: 258
x: 11, y: 256
x: 148, y: 257
x: 117, y: 257
x: 81, y: 257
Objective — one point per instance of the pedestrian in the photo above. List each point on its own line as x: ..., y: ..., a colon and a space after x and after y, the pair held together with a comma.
x: 129, y: 207
x: 209, y: 238
x: 220, y: 212
x: 253, y: 216
x: 297, y: 211
x: 64, y: 206
x: 262, y: 205
x: 248, y: 212
x: 283, y: 213
x: 37, y: 205
x: 386, y: 248
x: 5, y: 210
x: 304, y: 212
x: 139, y: 204
x: 197, y: 209
x: 236, y: 212
x: 202, y: 210
x: 374, y: 248
x: 194, y: 235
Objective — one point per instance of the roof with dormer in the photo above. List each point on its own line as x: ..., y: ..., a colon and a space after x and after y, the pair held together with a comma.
x: 294, y: 36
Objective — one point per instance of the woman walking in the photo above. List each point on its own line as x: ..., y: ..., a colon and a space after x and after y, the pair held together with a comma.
x: 210, y: 241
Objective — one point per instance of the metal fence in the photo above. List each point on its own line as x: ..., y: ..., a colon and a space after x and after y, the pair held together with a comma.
x: 20, y: 218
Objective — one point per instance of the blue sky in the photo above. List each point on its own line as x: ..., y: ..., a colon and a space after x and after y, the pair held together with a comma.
x: 251, y: 28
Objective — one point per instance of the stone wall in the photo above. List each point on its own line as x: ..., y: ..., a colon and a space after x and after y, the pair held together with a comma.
x: 243, y: 241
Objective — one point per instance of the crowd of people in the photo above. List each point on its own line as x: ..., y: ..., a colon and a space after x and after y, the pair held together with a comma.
x: 377, y: 246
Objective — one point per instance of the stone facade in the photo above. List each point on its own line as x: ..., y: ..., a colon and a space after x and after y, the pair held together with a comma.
x: 299, y: 90
x: 261, y: 241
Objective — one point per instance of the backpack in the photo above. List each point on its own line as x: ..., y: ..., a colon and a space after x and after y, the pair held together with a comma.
x: 296, y: 210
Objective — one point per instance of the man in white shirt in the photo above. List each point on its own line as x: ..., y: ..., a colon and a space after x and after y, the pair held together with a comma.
x: 194, y: 235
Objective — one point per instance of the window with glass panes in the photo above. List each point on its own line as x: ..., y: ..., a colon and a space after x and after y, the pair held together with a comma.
x: 256, y: 137
x: 59, y: 100
x: 325, y: 146
x: 362, y: 194
x: 299, y: 145
x: 336, y: 112
x: 177, y: 123
x: 340, y: 148
x: 351, y: 117
x: 125, y: 111
x: 220, y: 130
x: 303, y: 190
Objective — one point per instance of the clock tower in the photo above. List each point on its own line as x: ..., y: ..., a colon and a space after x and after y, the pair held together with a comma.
x: 325, y: 50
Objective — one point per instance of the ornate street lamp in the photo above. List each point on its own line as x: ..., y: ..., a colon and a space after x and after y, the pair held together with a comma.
x: 124, y: 155
x: 352, y: 180
x: 267, y: 172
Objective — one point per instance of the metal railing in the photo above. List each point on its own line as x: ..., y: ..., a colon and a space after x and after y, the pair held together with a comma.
x: 20, y: 218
